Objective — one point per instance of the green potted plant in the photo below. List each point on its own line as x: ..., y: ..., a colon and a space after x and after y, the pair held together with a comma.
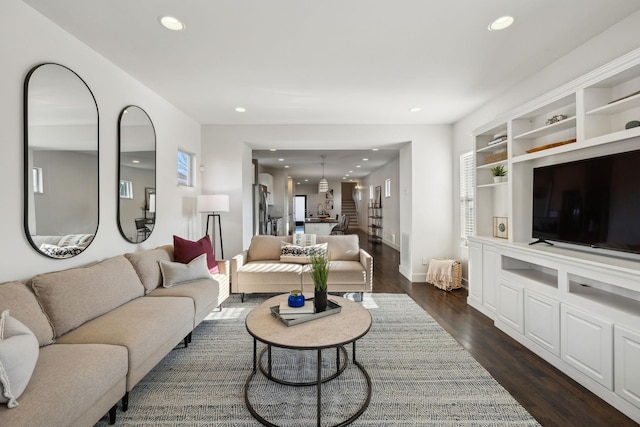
x: 319, y: 265
x: 499, y: 172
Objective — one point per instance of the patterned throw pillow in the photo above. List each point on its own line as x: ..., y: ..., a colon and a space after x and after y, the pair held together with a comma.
x: 18, y: 356
x: 60, y: 251
x: 300, y: 254
x: 303, y: 239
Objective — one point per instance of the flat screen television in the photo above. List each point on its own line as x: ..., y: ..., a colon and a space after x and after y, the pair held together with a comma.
x: 593, y: 202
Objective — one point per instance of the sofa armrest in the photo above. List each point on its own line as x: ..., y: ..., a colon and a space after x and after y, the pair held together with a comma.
x: 224, y: 267
x: 367, y: 262
x: 236, y: 264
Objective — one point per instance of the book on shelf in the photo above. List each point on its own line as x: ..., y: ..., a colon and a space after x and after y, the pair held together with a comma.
x: 497, y: 140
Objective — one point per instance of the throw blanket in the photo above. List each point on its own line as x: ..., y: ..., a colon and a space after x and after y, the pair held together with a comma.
x: 440, y: 273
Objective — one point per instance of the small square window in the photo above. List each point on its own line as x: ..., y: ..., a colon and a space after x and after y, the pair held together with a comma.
x: 38, y: 184
x: 126, y: 189
x: 185, y: 168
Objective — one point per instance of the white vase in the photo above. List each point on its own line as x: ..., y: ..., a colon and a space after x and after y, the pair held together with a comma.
x: 498, y: 179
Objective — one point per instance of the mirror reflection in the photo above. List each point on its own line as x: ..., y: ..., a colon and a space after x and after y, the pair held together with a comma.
x: 61, y: 161
x: 137, y: 174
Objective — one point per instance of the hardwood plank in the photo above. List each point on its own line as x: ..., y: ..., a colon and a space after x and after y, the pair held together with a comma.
x: 550, y: 396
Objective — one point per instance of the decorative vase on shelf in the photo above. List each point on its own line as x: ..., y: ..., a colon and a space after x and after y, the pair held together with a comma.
x: 319, y: 265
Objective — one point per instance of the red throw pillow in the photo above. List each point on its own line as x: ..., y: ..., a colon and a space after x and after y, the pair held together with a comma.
x: 185, y: 251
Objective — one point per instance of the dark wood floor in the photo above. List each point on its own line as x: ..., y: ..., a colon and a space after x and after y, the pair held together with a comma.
x: 550, y: 396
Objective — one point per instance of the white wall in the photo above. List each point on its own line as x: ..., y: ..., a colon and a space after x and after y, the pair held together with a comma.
x: 29, y: 39
x: 609, y: 45
x: 390, y: 205
x: 425, y: 158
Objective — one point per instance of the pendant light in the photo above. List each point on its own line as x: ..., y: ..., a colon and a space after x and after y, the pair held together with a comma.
x: 323, y: 185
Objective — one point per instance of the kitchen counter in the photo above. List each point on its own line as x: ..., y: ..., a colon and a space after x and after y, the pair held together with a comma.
x: 319, y: 226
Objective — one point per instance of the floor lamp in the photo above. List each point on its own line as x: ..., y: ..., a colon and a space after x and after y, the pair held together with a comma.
x: 211, y: 204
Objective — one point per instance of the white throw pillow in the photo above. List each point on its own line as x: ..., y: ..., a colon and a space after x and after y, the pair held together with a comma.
x: 174, y: 273
x: 301, y: 254
x: 303, y: 239
x: 19, y: 353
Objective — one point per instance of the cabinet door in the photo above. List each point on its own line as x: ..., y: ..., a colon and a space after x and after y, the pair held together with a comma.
x: 627, y: 364
x: 475, y: 272
x: 542, y: 321
x: 511, y: 305
x: 489, y: 276
x: 587, y: 344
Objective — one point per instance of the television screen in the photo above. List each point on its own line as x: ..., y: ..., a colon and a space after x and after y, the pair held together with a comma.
x: 593, y: 202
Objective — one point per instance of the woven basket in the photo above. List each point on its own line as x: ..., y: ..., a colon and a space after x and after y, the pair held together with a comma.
x: 495, y: 157
x: 456, y: 277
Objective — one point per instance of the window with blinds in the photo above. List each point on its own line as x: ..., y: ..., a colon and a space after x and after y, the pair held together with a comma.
x: 467, y: 206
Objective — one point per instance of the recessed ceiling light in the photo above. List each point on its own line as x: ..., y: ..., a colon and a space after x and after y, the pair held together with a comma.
x: 171, y: 23
x: 358, y: 166
x: 365, y: 160
x: 501, y: 23
x: 374, y: 149
x: 273, y: 149
x: 306, y: 180
x: 286, y: 166
x: 135, y: 161
x: 350, y: 171
x: 240, y: 109
x: 281, y: 160
x: 415, y: 110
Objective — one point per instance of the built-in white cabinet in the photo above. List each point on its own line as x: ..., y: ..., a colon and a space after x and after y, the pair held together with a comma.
x: 579, y: 311
x: 489, y: 274
x: 482, y: 277
x: 627, y: 368
x: 511, y: 305
x: 586, y: 344
x: 475, y: 275
x: 542, y: 321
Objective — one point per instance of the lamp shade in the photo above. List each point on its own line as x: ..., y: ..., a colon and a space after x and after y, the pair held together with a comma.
x: 213, y: 203
x: 323, y: 186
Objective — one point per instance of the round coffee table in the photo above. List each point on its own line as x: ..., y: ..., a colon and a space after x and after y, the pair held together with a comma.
x: 334, y: 331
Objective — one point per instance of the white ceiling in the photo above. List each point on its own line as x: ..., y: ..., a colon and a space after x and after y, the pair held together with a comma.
x: 332, y: 61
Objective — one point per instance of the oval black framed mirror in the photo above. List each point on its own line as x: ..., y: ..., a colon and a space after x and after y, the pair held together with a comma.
x: 136, y: 174
x: 61, y: 163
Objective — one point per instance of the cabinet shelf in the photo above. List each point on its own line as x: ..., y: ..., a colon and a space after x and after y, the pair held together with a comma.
x: 493, y: 184
x: 490, y: 165
x: 616, y: 107
x: 375, y: 223
x: 495, y: 147
x: 565, y: 124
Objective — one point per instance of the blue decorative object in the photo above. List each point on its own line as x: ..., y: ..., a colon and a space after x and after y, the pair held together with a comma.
x: 296, y: 299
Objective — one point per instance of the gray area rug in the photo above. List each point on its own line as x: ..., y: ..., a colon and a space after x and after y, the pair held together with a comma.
x: 421, y: 377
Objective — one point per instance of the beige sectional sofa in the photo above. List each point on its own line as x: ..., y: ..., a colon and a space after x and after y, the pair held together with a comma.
x: 101, y: 329
x: 259, y: 269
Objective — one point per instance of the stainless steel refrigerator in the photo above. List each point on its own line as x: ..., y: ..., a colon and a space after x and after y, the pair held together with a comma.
x: 260, y: 209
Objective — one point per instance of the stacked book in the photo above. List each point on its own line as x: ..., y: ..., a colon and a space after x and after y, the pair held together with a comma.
x: 290, y: 313
x: 498, y: 138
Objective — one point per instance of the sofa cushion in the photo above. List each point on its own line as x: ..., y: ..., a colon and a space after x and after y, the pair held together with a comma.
x: 266, y: 248
x: 269, y: 272
x: 23, y: 305
x: 175, y: 273
x: 185, y: 251
x: 75, y: 296
x: 303, y: 239
x: 148, y: 327
x: 18, y: 356
x: 202, y: 292
x: 343, y: 248
x: 340, y: 273
x: 146, y: 265
x: 69, y: 381
x: 301, y: 254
